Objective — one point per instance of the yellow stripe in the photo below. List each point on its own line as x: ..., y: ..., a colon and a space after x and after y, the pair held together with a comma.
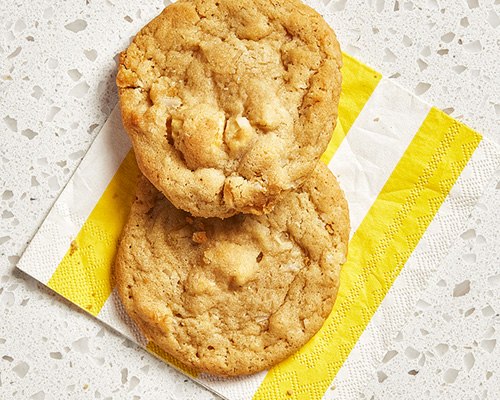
x: 154, y: 349
x: 378, y: 250
x: 358, y: 84
x: 83, y: 276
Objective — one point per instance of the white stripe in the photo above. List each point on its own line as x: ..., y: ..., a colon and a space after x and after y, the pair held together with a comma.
x: 375, y: 143
x: 77, y: 200
x: 364, y: 161
x: 114, y: 315
x: 401, y: 298
x: 237, y: 388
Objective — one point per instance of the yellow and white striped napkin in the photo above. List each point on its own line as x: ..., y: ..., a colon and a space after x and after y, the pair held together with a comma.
x: 411, y: 175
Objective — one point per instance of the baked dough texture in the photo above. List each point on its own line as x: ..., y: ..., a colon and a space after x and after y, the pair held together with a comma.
x: 238, y: 295
x: 230, y: 103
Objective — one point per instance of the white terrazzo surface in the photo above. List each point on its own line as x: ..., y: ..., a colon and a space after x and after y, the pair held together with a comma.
x: 57, y: 88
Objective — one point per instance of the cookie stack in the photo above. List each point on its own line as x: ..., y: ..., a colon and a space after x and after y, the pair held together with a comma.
x: 231, y: 256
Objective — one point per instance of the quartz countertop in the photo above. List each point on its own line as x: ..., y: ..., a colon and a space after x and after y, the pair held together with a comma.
x: 57, y: 71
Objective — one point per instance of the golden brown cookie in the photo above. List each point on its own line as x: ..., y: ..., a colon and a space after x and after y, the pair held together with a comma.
x: 234, y: 296
x: 230, y: 103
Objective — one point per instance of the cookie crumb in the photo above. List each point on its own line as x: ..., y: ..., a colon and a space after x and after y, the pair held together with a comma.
x: 199, y: 237
x: 73, y: 247
x: 289, y: 392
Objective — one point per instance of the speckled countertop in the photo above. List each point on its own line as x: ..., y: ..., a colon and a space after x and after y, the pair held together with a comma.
x: 57, y: 66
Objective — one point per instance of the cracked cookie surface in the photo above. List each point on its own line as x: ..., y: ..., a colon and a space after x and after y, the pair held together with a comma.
x: 238, y: 295
x: 229, y: 104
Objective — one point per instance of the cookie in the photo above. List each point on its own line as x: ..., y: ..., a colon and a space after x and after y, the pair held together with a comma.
x: 229, y: 103
x: 234, y: 296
